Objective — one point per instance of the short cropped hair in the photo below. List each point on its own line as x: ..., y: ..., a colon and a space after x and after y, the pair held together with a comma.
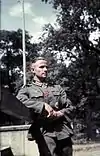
x: 38, y: 58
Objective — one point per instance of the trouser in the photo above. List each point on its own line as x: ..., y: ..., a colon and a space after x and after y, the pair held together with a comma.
x: 50, y: 146
x: 54, y: 147
x: 34, y: 133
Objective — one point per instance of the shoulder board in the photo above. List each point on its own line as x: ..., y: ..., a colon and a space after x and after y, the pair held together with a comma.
x: 57, y: 86
x: 27, y: 85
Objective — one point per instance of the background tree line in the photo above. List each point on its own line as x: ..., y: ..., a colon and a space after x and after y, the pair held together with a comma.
x: 77, y: 19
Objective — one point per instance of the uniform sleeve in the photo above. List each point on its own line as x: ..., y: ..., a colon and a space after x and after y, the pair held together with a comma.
x: 36, y: 106
x: 67, y: 108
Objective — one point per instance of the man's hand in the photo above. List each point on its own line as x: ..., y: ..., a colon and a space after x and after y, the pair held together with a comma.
x: 57, y: 114
x: 51, y: 113
x: 49, y: 110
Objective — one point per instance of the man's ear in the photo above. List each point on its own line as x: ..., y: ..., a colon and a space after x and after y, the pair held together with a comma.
x: 32, y: 67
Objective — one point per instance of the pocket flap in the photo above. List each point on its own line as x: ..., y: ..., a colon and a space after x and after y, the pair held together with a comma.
x: 36, y: 93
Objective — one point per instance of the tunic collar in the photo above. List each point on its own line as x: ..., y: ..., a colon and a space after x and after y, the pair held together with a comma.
x: 40, y: 84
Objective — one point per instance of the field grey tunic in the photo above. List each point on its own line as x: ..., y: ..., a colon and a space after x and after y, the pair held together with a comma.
x: 34, y: 96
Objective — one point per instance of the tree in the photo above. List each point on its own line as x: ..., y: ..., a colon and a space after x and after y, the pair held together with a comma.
x: 11, y: 49
x: 77, y: 20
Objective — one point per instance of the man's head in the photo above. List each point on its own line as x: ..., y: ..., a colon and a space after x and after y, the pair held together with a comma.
x: 39, y: 68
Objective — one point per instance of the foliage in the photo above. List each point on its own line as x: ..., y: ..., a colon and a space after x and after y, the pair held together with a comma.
x: 12, y: 55
x: 77, y: 20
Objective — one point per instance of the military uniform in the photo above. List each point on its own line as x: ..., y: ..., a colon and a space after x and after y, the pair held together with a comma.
x: 55, y: 132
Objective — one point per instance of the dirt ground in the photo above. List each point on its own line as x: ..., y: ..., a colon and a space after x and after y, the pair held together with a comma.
x: 93, y: 150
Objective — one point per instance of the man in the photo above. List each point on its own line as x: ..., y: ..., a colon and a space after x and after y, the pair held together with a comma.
x: 51, y: 111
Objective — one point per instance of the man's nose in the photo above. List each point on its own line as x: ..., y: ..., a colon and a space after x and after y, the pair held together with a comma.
x: 45, y: 69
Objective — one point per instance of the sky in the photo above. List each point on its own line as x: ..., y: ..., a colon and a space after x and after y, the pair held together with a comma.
x: 37, y: 14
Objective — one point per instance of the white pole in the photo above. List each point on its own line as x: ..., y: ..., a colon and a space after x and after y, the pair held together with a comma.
x: 23, y: 44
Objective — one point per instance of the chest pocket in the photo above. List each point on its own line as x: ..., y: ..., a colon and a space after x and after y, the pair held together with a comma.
x: 36, y: 94
x: 54, y: 98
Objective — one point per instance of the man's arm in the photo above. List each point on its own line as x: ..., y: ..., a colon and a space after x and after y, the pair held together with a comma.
x: 67, y: 109
x: 38, y: 107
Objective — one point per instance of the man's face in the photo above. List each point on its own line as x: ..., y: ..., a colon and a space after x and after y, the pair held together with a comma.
x: 40, y: 69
